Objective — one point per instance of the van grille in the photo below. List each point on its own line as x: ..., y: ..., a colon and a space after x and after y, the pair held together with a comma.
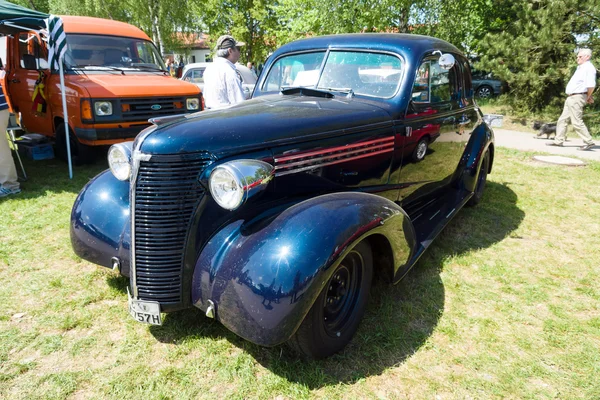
x: 167, y: 192
x: 146, y: 108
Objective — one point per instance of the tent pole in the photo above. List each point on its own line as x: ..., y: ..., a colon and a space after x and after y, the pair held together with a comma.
x: 65, y: 114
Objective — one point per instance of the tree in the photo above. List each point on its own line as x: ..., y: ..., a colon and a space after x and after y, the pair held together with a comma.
x: 158, y: 18
x: 535, y: 52
x: 249, y: 21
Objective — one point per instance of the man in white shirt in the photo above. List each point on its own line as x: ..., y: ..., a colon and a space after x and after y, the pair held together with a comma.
x: 579, y: 93
x: 222, y: 81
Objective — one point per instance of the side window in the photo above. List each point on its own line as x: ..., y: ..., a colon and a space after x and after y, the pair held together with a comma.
x: 32, y: 54
x: 434, y: 84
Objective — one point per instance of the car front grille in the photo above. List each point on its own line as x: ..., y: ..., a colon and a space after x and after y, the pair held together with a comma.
x: 146, y: 108
x: 167, y: 192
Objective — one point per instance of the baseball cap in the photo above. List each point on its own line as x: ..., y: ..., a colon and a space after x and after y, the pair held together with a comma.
x: 228, y: 42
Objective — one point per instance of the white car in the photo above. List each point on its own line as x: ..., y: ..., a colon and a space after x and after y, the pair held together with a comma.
x: 194, y: 73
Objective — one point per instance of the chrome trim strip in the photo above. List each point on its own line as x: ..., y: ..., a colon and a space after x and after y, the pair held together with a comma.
x: 332, y: 156
x: 293, y: 171
x: 136, y: 157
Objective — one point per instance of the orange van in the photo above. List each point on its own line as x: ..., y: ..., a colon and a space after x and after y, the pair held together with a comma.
x: 115, y: 80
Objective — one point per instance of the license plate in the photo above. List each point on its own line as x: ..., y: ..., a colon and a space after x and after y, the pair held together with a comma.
x: 147, y: 312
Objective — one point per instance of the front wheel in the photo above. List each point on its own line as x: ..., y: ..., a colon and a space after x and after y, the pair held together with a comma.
x: 334, y: 317
x: 481, y: 180
x: 80, y: 153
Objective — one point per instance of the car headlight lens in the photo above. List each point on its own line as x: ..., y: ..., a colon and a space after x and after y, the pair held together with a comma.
x: 103, y: 108
x: 119, y: 161
x: 226, y: 188
x: 192, y: 104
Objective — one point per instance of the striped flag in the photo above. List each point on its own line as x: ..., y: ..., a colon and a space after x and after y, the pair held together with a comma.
x: 57, y: 41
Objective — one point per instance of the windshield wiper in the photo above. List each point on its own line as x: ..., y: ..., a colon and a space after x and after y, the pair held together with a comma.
x: 97, y: 68
x: 148, y: 67
x: 348, y: 91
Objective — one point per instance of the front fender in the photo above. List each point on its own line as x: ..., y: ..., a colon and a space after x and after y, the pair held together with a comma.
x: 264, y: 275
x: 100, y: 222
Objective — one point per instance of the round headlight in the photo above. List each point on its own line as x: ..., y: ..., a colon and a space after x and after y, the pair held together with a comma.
x: 103, y: 108
x: 119, y: 161
x: 226, y: 188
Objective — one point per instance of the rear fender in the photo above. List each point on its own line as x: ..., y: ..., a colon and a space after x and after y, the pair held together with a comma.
x: 100, y: 222
x: 482, y: 138
x: 262, y: 276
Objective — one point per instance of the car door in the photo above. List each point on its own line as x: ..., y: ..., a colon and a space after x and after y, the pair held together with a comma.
x: 28, y: 70
x: 438, y: 124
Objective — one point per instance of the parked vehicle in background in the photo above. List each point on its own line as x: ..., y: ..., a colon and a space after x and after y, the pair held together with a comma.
x: 486, y: 85
x: 115, y: 81
x: 274, y: 215
x: 194, y: 73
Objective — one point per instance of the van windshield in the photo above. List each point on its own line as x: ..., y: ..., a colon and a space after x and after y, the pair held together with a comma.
x: 110, y: 52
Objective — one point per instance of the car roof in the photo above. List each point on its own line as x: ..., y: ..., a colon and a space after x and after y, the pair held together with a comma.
x: 406, y: 44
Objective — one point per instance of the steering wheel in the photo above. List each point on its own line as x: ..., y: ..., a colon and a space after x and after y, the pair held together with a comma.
x: 137, y: 60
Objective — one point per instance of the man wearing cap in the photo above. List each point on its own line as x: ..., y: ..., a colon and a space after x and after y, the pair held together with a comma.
x: 222, y: 81
x: 579, y: 93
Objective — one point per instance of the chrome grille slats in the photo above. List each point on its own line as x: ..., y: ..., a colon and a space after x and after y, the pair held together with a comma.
x: 167, y: 192
x: 141, y: 109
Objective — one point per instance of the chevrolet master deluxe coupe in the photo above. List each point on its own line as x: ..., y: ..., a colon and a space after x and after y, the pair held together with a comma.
x: 273, y: 216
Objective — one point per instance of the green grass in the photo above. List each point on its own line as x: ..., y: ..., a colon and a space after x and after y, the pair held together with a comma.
x: 505, y: 304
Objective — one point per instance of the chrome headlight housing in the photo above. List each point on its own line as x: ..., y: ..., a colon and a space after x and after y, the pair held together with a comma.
x: 192, y: 103
x: 103, y: 108
x: 119, y: 160
x: 234, y: 182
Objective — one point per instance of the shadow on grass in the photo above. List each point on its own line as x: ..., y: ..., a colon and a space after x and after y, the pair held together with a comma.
x: 399, y: 318
x: 53, y: 176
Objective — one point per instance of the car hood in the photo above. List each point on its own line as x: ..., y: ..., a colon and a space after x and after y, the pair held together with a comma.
x: 262, y: 122
x: 133, y: 85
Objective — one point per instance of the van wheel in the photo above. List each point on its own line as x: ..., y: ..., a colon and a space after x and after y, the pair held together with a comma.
x: 481, y: 180
x: 334, y: 317
x: 80, y: 153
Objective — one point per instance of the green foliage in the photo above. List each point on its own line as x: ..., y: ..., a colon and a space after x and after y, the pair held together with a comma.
x: 249, y: 21
x: 534, y: 51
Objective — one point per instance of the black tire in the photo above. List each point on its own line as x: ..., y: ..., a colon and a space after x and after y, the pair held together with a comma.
x: 481, y: 180
x: 80, y: 153
x: 420, y: 150
x: 484, y: 92
x: 334, y: 317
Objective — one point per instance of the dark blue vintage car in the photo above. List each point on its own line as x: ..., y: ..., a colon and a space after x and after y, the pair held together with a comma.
x: 273, y: 216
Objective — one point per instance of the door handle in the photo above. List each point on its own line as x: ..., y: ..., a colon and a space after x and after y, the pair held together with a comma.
x: 15, y: 80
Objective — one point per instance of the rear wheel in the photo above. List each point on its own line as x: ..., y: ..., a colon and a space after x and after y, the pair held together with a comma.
x: 481, y: 180
x: 334, y: 317
x: 80, y: 153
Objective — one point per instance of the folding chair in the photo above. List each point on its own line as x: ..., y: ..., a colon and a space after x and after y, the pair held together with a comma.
x: 10, y: 130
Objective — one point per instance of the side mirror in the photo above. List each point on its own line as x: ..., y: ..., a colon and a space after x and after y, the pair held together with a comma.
x: 446, y: 61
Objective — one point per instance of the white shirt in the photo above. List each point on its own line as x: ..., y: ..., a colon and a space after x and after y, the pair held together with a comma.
x: 583, y: 78
x: 222, y: 84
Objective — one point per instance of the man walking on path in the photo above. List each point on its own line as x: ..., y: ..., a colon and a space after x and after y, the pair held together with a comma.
x: 222, y: 81
x: 579, y: 93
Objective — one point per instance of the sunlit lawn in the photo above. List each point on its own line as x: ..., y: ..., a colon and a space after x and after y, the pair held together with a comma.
x: 505, y: 304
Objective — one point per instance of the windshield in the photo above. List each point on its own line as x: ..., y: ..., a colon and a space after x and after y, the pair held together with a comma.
x: 109, y: 52
x: 362, y: 73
